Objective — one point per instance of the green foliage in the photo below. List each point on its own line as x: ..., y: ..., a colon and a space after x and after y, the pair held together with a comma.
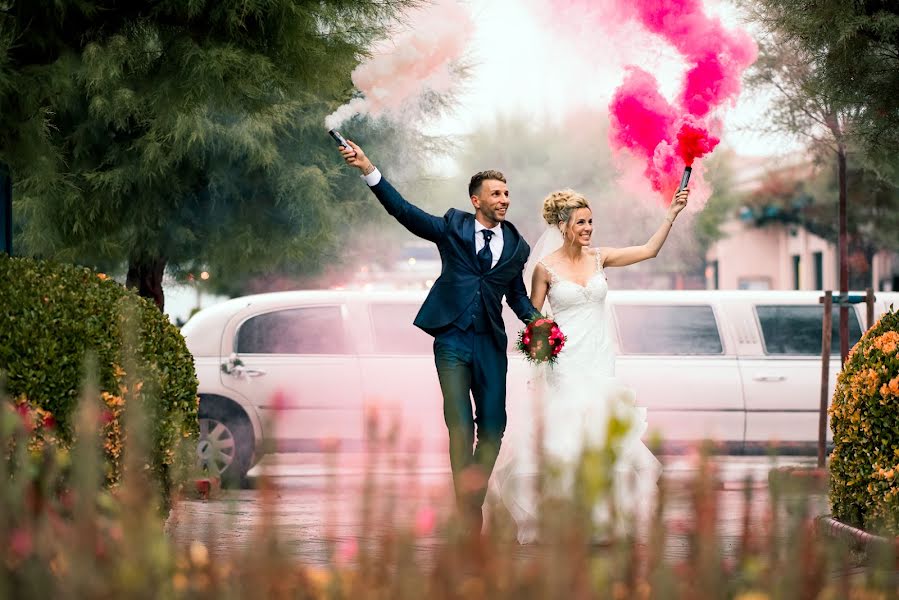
x: 80, y: 541
x: 352, y: 226
x: 54, y: 317
x: 852, y: 49
x: 178, y: 132
x: 812, y: 105
x: 864, y: 414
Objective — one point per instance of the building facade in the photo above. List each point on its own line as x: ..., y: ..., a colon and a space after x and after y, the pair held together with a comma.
x: 784, y: 256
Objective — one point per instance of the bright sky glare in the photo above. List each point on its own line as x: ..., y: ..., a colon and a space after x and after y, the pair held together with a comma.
x: 521, y: 67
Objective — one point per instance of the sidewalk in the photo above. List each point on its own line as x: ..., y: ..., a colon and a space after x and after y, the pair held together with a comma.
x: 732, y: 470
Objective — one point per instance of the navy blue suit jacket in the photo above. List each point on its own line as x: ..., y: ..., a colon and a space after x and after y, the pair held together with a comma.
x: 460, y: 278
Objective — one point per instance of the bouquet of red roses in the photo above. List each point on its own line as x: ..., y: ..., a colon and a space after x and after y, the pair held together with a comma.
x: 541, y: 341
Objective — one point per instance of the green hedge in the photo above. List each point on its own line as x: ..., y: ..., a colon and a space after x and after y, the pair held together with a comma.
x: 864, y: 417
x: 52, y: 316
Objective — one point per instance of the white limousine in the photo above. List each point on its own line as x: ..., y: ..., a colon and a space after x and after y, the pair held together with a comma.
x: 285, y: 371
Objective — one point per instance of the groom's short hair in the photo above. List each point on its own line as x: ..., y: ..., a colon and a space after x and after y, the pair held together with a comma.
x: 474, y: 186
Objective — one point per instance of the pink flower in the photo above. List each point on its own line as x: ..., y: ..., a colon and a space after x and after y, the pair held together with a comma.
x: 347, y: 550
x: 425, y: 521
x: 25, y: 416
x: 279, y: 401
x: 21, y: 543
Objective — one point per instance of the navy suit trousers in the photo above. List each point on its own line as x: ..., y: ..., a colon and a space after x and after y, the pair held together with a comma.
x: 472, y: 366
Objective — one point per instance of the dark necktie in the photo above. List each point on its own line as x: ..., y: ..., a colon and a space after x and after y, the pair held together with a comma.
x: 485, y: 256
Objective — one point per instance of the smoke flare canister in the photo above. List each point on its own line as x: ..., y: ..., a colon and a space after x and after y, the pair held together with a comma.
x: 339, y: 139
x: 685, y: 178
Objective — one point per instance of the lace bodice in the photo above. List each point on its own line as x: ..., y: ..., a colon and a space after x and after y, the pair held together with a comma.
x: 581, y: 312
x: 565, y: 294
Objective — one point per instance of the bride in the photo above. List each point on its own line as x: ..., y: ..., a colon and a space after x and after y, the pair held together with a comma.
x: 577, y: 404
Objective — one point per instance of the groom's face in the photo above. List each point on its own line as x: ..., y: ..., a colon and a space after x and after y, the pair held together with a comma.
x: 492, y: 201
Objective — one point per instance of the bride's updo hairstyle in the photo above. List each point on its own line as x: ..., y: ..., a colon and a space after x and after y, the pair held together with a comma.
x: 558, y: 206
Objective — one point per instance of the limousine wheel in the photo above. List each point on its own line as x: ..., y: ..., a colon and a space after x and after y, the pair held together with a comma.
x: 225, y: 447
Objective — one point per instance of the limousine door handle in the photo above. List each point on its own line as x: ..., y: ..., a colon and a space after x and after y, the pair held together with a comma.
x: 769, y: 378
x: 241, y: 371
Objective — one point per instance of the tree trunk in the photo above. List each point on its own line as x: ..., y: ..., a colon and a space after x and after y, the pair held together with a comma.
x: 5, y: 210
x: 145, y: 275
x: 836, y: 128
x: 844, y: 255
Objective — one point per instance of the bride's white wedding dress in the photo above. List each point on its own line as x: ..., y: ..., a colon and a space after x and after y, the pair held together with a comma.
x: 575, y: 400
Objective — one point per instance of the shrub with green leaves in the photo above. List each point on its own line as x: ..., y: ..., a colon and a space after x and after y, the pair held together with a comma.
x: 53, y: 317
x: 864, y: 417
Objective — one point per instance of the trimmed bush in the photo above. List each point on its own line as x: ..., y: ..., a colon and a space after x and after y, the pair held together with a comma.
x: 52, y: 317
x: 864, y: 418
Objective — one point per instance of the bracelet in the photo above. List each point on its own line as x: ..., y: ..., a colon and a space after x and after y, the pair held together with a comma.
x: 369, y: 171
x: 670, y: 221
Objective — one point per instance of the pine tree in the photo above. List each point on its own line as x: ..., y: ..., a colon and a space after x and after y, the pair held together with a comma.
x: 171, y: 132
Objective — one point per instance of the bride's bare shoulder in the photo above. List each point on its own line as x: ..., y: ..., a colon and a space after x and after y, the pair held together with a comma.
x: 552, y: 258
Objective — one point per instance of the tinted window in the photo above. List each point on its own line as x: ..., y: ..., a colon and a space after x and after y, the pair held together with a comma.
x: 313, y: 330
x: 675, y: 329
x: 797, y: 329
x: 395, y: 333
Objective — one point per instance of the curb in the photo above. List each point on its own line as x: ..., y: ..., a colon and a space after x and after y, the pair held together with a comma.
x: 859, y: 538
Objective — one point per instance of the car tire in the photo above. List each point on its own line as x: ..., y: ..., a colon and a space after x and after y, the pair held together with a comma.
x: 225, y: 446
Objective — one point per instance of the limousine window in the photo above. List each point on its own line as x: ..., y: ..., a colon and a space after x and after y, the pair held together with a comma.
x: 796, y: 330
x: 394, y: 331
x: 675, y: 329
x: 312, y: 330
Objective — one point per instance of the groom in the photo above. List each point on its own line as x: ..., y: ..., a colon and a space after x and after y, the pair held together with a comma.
x: 483, y: 256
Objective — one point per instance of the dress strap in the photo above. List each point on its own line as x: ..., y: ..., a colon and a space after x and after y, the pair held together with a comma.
x: 598, y: 261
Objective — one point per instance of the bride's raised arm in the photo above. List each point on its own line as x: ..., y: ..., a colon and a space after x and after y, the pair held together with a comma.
x: 539, y: 287
x: 622, y: 257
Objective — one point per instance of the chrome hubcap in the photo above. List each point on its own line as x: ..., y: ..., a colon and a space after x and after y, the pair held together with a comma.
x: 215, y: 450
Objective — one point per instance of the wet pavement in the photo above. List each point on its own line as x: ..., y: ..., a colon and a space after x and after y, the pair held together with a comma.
x: 317, y: 502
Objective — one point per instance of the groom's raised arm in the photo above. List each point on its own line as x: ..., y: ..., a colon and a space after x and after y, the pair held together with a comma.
x: 417, y: 221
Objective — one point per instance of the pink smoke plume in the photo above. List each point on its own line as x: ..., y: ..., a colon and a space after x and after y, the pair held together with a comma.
x: 666, y: 136
x: 417, y: 60
x: 670, y: 136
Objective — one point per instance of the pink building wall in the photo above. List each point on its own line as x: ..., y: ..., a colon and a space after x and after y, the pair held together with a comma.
x: 763, y: 258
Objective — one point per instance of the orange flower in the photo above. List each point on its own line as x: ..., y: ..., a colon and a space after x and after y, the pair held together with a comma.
x: 887, y: 343
x: 894, y: 385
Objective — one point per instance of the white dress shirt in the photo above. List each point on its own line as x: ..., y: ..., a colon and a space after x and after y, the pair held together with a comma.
x: 496, y: 242
x: 373, y: 178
